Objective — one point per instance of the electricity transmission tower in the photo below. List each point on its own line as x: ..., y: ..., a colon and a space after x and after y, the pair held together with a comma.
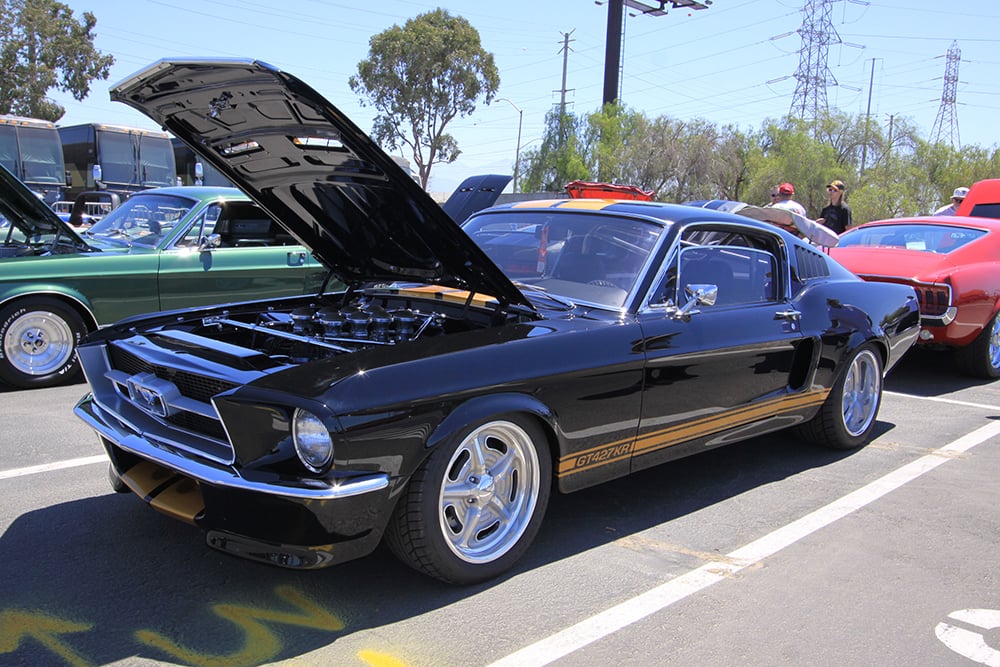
x: 945, y: 128
x: 813, y: 75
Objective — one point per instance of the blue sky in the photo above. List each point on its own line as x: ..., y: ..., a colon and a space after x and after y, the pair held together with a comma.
x: 730, y: 64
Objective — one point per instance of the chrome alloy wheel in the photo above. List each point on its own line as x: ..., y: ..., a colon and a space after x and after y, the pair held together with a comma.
x: 862, y: 389
x: 994, y: 347
x: 489, y: 492
x: 38, y: 343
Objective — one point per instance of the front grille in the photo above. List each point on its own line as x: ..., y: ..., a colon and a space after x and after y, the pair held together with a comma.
x: 198, y: 424
x: 195, y: 416
x: 199, y: 387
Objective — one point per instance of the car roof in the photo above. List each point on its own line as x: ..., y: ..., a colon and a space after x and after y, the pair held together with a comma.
x: 990, y: 224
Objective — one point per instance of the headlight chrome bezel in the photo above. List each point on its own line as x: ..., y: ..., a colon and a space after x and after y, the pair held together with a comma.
x: 312, y: 440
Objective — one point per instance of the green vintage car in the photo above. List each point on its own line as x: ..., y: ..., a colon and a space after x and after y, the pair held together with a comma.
x: 162, y: 249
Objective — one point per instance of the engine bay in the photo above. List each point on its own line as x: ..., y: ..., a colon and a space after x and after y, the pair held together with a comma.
x: 327, y: 326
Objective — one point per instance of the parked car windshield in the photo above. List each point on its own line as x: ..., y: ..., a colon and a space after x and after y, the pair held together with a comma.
x: 927, y: 238
x: 143, y: 219
x: 587, y: 258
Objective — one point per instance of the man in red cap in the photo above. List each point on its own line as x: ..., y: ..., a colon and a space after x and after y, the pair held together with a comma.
x: 784, y: 200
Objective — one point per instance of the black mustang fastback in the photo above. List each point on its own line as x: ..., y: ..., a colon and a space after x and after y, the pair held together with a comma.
x: 465, y: 371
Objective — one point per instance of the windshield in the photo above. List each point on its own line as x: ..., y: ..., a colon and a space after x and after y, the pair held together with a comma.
x: 583, y: 257
x: 143, y: 219
x: 940, y: 239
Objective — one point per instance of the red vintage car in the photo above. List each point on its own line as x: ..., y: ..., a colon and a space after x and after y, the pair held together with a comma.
x: 952, y: 262
x: 983, y: 200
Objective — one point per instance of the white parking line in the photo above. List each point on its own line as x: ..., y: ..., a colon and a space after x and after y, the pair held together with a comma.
x: 48, y: 467
x: 601, y: 625
x: 938, y: 399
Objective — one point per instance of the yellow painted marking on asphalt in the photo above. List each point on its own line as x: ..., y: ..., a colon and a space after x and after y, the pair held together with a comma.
x: 18, y: 626
x: 260, y: 643
x: 376, y: 659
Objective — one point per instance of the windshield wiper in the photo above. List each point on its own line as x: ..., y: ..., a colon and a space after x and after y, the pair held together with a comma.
x: 118, y: 231
x: 565, y: 303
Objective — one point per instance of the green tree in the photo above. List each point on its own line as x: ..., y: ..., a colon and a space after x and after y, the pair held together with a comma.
x: 790, y: 151
x: 560, y: 157
x: 419, y: 78
x: 42, y: 46
x: 609, y: 135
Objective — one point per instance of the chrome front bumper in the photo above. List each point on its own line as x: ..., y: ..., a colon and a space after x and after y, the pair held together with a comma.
x: 220, y: 475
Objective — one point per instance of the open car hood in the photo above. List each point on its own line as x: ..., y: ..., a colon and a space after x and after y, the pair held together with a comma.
x: 314, y: 171
x: 29, y: 214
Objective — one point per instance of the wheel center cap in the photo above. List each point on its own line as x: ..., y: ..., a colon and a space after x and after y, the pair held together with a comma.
x: 482, y: 490
x: 33, y: 341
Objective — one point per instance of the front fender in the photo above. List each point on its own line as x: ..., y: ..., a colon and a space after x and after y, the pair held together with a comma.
x: 72, y: 297
x: 481, y: 408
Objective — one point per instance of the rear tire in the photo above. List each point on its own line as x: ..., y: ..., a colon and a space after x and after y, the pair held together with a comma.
x: 981, y: 357
x: 474, y: 506
x: 38, y: 339
x: 847, y: 417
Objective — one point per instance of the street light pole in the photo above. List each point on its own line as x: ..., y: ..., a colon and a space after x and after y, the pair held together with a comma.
x: 517, y: 152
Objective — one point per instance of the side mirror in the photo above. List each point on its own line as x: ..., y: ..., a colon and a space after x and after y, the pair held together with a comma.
x: 207, y: 243
x: 698, y: 295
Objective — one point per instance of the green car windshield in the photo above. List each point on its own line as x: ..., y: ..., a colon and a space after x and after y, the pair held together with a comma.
x: 143, y: 219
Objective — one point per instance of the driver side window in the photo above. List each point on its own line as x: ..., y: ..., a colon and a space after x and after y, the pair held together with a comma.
x: 203, y: 226
x: 742, y: 275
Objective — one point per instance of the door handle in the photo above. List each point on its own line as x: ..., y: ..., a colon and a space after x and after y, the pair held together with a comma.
x: 296, y: 258
x: 789, y: 315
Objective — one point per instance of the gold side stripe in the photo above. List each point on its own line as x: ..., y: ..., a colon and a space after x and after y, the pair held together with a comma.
x: 732, y: 418
x: 672, y: 435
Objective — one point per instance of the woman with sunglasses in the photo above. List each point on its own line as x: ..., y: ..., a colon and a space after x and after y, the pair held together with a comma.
x: 837, y: 214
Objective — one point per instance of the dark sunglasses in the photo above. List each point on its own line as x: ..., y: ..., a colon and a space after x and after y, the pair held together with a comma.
x: 773, y: 195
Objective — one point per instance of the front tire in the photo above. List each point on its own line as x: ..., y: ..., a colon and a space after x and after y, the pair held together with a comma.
x: 981, y: 357
x: 847, y: 417
x: 474, y: 506
x: 38, y: 339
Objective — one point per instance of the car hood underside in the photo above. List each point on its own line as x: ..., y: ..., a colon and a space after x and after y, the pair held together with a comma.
x: 314, y: 171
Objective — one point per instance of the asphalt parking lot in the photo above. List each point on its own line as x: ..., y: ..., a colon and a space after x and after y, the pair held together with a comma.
x: 768, y: 552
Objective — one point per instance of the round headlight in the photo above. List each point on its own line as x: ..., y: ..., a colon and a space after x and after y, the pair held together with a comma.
x: 312, y: 440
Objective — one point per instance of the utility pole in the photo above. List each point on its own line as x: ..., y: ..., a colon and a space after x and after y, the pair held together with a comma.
x: 615, y: 38
x: 868, y: 114
x: 613, y: 50
x: 565, y: 51
x: 888, y: 147
x: 562, y: 92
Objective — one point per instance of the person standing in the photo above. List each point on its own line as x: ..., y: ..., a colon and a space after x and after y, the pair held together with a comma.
x: 957, y: 197
x: 784, y: 200
x: 837, y: 214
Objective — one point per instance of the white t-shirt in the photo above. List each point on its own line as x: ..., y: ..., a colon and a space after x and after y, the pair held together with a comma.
x: 790, y: 205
